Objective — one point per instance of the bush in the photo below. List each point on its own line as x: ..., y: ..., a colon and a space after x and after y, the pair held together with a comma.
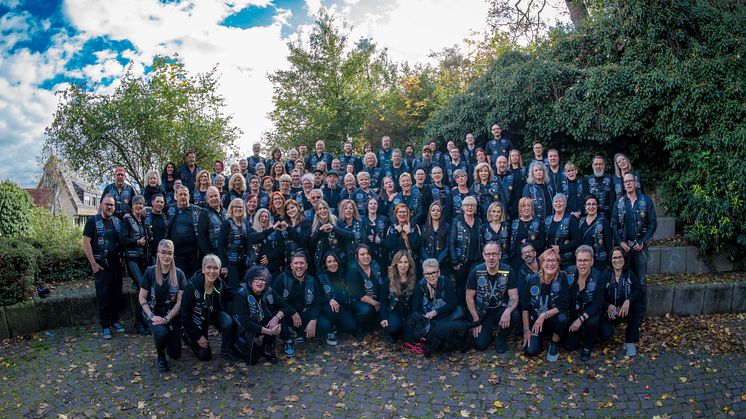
x: 59, y: 245
x: 663, y: 82
x: 18, y: 261
x: 15, y: 210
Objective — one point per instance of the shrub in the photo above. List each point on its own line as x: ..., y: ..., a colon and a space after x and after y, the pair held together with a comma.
x: 58, y: 241
x: 15, y: 210
x: 18, y: 261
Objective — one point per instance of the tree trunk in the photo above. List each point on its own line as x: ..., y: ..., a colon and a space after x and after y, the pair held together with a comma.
x: 578, y: 11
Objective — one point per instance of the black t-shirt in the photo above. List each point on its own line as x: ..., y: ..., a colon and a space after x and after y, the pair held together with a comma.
x: 165, y: 296
x: 182, y: 232
x: 497, y: 293
x: 109, y: 241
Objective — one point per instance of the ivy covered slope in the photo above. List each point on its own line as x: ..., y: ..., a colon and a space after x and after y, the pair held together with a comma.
x: 664, y: 81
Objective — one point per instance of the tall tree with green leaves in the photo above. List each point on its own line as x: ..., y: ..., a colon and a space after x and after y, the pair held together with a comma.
x: 148, y: 121
x: 329, y: 89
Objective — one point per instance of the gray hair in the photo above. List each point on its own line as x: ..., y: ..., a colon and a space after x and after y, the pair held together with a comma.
x: 584, y: 248
x: 211, y: 258
x: 561, y: 196
x: 138, y: 199
x: 430, y: 263
x: 531, y: 180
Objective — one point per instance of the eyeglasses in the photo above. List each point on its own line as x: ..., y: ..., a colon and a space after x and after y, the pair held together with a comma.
x: 551, y: 261
x: 431, y: 274
x: 259, y: 278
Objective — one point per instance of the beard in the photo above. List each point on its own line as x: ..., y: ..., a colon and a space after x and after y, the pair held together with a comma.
x: 529, y: 260
x: 598, y: 173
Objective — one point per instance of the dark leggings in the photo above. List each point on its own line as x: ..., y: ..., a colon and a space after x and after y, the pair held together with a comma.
x: 253, y: 348
x: 167, y: 337
x: 631, y: 333
x: 223, y: 322
x: 491, y: 321
x: 555, y: 324
x: 236, y: 272
x: 365, y: 316
x: 587, y: 333
x: 344, y: 320
x: 136, y: 267
x: 398, y: 327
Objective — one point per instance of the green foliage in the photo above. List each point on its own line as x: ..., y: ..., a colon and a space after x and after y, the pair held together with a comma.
x: 18, y: 259
x: 664, y: 82
x: 58, y: 241
x: 145, y: 123
x: 15, y: 209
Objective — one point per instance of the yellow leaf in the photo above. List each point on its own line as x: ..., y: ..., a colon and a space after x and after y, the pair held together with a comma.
x: 682, y: 379
x: 464, y: 413
x: 292, y: 398
x: 141, y: 405
x: 498, y: 404
x: 743, y: 397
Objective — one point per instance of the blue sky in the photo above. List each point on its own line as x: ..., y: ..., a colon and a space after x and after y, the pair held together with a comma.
x: 47, y: 44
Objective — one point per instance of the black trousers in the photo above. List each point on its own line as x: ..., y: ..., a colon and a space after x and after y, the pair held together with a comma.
x: 323, y: 326
x: 587, y: 334
x: 136, y: 267
x: 490, y: 322
x: 556, y: 324
x: 252, y: 348
x: 223, y: 322
x: 108, y: 283
x: 344, y: 320
x: 398, y: 327
x: 236, y: 272
x: 365, y: 316
x: 188, y: 263
x: 167, y: 337
x: 631, y: 333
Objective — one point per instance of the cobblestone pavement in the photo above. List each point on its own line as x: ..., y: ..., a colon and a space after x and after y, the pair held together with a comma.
x: 73, y: 372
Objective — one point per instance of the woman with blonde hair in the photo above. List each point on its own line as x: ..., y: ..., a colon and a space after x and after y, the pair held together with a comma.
x: 269, y: 251
x: 396, y: 298
x: 152, y: 188
x: 328, y: 233
x: 160, y: 299
x: 237, y: 185
x: 403, y: 234
x: 203, y: 181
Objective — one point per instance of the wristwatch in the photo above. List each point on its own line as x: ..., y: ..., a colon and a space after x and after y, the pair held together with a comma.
x: 151, y: 315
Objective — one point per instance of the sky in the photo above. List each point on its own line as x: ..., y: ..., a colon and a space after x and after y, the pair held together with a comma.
x: 47, y: 44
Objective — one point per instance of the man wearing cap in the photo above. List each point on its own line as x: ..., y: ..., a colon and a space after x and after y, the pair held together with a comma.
x: 332, y: 191
x: 425, y: 162
x: 121, y: 192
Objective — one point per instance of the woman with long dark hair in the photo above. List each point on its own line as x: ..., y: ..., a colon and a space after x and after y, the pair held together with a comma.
x: 621, y: 302
x: 396, y: 298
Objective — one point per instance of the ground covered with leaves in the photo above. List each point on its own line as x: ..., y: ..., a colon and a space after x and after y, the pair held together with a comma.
x: 686, y: 367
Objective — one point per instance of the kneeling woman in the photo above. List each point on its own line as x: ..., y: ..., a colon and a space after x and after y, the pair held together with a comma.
x: 545, y: 301
x: 621, y: 302
x: 365, y: 280
x: 396, y: 298
x: 160, y: 298
x: 205, y: 300
x: 259, y: 311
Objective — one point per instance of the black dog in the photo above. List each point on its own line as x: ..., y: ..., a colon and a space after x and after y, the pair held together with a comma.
x: 443, y: 335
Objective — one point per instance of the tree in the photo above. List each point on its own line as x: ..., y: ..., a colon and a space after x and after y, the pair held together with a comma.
x: 328, y: 92
x: 527, y: 19
x: 147, y: 122
x: 15, y: 210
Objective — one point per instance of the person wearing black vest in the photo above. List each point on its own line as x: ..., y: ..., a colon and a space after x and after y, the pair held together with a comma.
x: 384, y: 153
x: 134, y: 241
x: 437, y: 191
x: 204, y: 303
x: 492, y: 297
x: 254, y: 159
x: 426, y: 162
x: 634, y: 222
x: 331, y: 191
x: 562, y: 231
x: 511, y: 184
x: 210, y: 223
x: 516, y: 167
x: 188, y: 171
x: 622, y: 166
x: 101, y: 247
x: 586, y: 301
x: 160, y: 296
x: 497, y: 145
x: 497, y: 229
x: 298, y: 234
x: 526, y: 229
x: 601, y: 185
x: 396, y: 298
x: 156, y: 225
x: 435, y: 235
x: 574, y: 188
x: 454, y: 163
x: 363, y: 193
x: 409, y: 196
x: 370, y: 166
x: 347, y: 157
x: 365, y: 280
x: 152, y: 188
x: 169, y: 175
x: 320, y: 155
x: 470, y: 151
x: 409, y: 157
x: 121, y: 192
x: 375, y: 227
x: 336, y: 302
x: 269, y: 251
x: 183, y: 231
x: 545, y: 302
x: 403, y: 234
x: 350, y: 221
x: 596, y: 232
x: 434, y: 295
x: 303, y: 293
x: 199, y: 194
x: 395, y: 169
x: 486, y: 190
x: 555, y: 173
x: 529, y: 265
x: 621, y: 302
x: 538, y: 190
x: 259, y: 312
x: 328, y: 233
x: 465, y: 245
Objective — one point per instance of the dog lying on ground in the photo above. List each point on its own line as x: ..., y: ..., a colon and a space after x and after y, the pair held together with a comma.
x: 442, y: 335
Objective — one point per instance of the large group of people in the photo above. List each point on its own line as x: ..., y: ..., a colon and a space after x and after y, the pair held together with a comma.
x: 316, y: 246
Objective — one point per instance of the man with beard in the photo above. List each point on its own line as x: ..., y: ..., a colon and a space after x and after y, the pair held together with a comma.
x: 601, y: 185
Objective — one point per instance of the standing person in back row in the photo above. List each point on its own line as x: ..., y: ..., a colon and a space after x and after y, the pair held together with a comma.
x: 633, y: 221
x: 601, y: 185
x: 121, y: 192
x: 101, y: 247
x: 183, y: 231
x: 189, y: 170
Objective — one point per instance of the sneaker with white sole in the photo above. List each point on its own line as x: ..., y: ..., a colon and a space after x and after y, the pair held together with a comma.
x: 631, y: 350
x: 331, y: 339
x: 553, y: 352
x: 118, y: 327
x: 106, y: 333
x: 289, y: 349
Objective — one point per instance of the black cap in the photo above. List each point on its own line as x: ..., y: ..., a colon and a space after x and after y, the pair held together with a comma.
x: 332, y: 173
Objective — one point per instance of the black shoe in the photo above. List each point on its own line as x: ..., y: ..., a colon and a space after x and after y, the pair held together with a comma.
x: 162, y: 363
x: 141, y: 329
x: 229, y: 356
x: 501, y: 344
x: 585, y: 354
x: 359, y: 335
x: 42, y: 291
x: 269, y: 353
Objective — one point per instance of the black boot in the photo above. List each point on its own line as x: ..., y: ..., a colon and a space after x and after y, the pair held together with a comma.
x: 269, y: 351
x: 162, y: 363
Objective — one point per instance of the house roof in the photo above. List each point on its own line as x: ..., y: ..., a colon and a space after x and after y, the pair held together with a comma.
x: 67, y: 176
x: 42, y: 197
